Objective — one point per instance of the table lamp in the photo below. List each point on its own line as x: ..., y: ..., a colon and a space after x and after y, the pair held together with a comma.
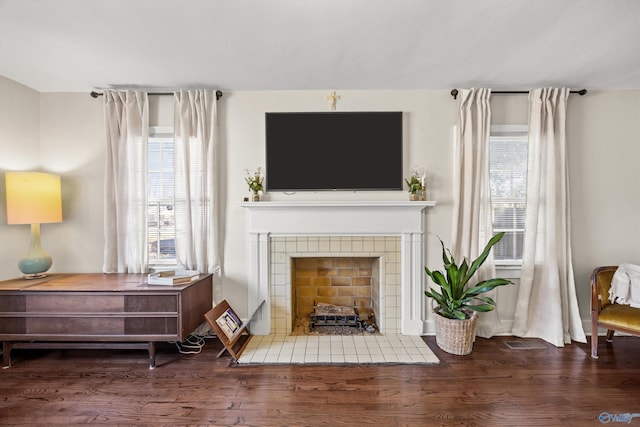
x: 33, y: 198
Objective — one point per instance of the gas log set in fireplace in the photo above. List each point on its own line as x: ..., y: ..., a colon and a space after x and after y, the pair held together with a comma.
x: 334, y: 315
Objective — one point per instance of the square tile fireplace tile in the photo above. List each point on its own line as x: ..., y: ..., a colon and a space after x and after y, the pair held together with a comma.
x: 338, y: 349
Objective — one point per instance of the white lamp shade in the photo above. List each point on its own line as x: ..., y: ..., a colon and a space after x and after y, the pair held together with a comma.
x: 33, y: 198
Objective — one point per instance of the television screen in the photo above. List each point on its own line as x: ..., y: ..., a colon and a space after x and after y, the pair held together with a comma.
x: 334, y: 151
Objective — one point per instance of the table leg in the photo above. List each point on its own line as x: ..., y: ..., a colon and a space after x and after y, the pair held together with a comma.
x: 152, y: 355
x: 6, y: 354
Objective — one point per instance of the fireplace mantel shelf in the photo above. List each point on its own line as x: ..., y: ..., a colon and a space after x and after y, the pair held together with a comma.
x: 337, y: 217
x: 338, y: 204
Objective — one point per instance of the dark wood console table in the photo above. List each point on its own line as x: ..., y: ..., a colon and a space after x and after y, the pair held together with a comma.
x: 99, y: 311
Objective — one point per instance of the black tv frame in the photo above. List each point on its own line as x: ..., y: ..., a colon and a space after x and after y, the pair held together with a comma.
x: 311, y: 136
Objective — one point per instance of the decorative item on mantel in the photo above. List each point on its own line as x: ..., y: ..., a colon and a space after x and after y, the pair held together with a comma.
x: 332, y: 98
x: 254, y: 179
x: 416, y: 184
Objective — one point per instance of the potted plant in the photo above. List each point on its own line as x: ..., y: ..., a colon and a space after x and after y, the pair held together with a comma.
x: 254, y: 180
x: 457, y: 303
x: 415, y: 184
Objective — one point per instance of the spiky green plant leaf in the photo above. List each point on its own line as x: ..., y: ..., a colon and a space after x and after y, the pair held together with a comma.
x: 455, y: 299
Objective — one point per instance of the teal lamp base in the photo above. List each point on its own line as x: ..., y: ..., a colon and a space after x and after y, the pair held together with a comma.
x: 37, y: 261
x: 35, y: 268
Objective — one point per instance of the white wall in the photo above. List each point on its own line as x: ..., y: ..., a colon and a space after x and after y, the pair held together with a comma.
x: 603, y: 129
x: 19, y: 150
x: 604, y: 155
x: 72, y: 144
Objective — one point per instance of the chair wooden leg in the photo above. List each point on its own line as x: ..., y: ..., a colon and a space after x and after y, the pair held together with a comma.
x: 594, y: 336
x: 610, y: 333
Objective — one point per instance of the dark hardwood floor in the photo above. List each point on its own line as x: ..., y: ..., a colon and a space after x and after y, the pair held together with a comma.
x: 493, y: 386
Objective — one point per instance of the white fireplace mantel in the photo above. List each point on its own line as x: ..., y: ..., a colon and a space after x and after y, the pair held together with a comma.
x: 405, y: 219
x: 337, y: 217
x: 338, y: 203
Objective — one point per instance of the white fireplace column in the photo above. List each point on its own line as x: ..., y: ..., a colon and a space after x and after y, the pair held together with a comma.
x: 412, y: 283
x: 339, y: 219
x: 259, y: 282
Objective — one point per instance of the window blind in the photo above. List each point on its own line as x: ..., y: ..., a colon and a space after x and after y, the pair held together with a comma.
x: 508, y: 182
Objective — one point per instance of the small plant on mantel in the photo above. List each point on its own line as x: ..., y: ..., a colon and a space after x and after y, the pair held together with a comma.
x: 458, y: 303
x: 415, y: 183
x: 254, y: 180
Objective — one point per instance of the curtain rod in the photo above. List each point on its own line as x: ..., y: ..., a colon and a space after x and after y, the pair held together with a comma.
x: 454, y: 92
x: 95, y: 94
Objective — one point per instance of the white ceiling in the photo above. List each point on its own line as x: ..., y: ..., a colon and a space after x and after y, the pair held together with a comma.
x: 79, y: 45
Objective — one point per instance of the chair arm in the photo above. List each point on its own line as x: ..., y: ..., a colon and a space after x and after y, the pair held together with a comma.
x: 600, y: 283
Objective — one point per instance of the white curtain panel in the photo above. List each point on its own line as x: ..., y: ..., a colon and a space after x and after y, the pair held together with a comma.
x: 125, y: 230
x: 547, y: 306
x: 472, y: 228
x: 196, y: 182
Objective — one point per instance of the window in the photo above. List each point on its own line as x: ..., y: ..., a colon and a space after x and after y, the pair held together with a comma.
x: 160, y: 198
x: 508, y: 181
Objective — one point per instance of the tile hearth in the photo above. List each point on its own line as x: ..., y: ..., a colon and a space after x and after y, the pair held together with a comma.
x: 338, y: 349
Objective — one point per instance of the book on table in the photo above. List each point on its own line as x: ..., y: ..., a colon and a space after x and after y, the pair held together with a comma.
x: 173, y: 277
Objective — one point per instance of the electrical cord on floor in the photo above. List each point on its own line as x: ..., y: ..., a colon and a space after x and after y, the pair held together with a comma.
x: 193, y: 343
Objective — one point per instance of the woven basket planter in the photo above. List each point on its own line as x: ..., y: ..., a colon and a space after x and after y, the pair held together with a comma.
x: 456, y: 336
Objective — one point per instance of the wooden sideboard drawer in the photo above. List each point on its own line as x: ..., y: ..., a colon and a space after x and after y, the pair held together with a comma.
x: 151, y: 304
x: 75, y: 326
x: 80, y: 327
x: 13, y: 325
x: 89, y: 303
x: 13, y: 303
x: 74, y: 303
x: 151, y: 326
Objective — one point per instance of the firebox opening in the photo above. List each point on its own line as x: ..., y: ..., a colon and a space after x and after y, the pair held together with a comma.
x: 347, y: 282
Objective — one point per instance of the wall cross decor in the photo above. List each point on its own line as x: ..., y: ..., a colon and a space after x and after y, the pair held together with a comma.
x: 333, y: 98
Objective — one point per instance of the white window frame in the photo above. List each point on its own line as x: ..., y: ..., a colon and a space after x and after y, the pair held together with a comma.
x: 164, y: 134
x: 508, y: 268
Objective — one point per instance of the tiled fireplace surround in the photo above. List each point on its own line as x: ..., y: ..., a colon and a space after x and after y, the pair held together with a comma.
x: 391, y: 232
x: 386, y: 287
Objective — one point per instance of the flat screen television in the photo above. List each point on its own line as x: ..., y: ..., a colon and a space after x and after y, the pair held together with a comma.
x: 333, y: 151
